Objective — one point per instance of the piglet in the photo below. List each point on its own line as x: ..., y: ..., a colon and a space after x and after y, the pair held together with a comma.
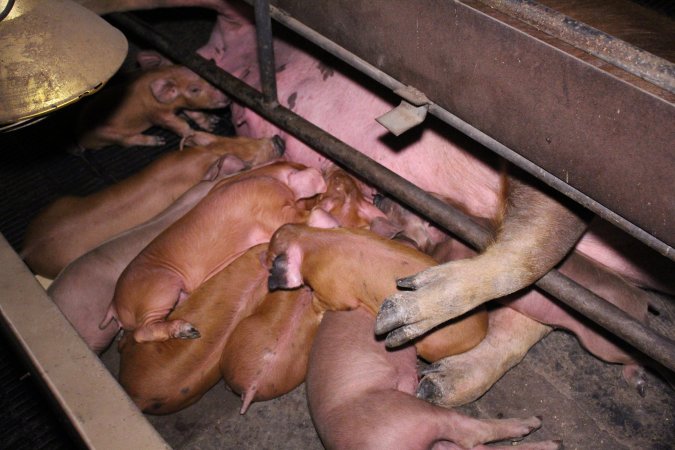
x: 360, y: 396
x: 164, y: 377
x: 348, y: 268
x: 120, y: 114
x: 84, y: 289
x: 233, y: 217
x: 266, y: 355
x: 70, y: 226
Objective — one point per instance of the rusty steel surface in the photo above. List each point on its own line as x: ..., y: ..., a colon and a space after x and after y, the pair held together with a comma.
x: 607, y: 136
x: 595, y: 308
x: 615, y: 51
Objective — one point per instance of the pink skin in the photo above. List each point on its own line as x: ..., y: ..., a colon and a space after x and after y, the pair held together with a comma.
x: 233, y: 217
x: 120, y: 114
x: 70, y: 226
x: 356, y: 390
x: 84, y: 289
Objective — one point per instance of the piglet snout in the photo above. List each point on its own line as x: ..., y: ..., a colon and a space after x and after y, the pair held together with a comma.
x: 277, y: 278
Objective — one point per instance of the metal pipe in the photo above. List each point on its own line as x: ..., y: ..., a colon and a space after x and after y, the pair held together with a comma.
x: 263, y: 26
x: 477, y: 135
x: 595, y: 308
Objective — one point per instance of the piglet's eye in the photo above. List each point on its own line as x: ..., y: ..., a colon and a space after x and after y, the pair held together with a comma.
x: 195, y: 90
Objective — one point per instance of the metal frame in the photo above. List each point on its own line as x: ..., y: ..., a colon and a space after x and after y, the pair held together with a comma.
x: 595, y: 308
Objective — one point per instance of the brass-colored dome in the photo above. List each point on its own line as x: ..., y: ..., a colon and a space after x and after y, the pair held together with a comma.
x: 53, y: 52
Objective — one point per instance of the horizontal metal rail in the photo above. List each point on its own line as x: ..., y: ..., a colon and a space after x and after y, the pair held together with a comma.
x: 630, y: 58
x: 569, y: 292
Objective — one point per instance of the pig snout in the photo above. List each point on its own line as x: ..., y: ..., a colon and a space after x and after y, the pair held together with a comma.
x: 277, y: 278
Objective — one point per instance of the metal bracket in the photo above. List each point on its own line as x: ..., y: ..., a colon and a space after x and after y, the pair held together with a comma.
x: 408, y: 114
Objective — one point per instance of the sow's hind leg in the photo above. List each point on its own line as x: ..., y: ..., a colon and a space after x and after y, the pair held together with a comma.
x: 536, y: 232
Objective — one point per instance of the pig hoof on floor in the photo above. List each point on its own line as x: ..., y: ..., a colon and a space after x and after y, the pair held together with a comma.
x: 636, y: 377
x: 428, y: 390
x: 451, y: 386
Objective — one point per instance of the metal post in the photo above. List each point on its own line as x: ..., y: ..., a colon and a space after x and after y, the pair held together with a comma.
x: 263, y: 26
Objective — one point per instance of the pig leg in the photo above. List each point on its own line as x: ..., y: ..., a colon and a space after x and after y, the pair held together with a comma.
x: 203, y: 120
x: 460, y: 379
x: 163, y: 331
x: 359, y: 395
x: 131, y: 141
x: 536, y: 232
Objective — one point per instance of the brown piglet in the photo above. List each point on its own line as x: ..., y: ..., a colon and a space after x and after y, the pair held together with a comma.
x: 120, y: 114
x: 164, y: 377
x: 348, y: 268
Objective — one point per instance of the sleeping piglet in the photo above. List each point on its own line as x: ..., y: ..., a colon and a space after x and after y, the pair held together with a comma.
x: 120, y: 114
x: 361, y: 396
x: 233, y: 217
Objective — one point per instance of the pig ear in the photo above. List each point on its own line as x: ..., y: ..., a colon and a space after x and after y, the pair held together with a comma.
x: 164, y: 90
x: 306, y: 183
x: 149, y: 59
x: 319, y: 218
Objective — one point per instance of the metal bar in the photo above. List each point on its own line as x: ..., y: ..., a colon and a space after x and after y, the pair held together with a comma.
x: 91, y: 399
x: 595, y: 308
x: 263, y: 26
x: 478, y: 136
x: 630, y: 58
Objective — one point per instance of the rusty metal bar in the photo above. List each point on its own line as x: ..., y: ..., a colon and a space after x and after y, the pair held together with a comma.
x: 569, y: 292
x: 477, y: 135
x: 263, y: 26
x: 630, y: 58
